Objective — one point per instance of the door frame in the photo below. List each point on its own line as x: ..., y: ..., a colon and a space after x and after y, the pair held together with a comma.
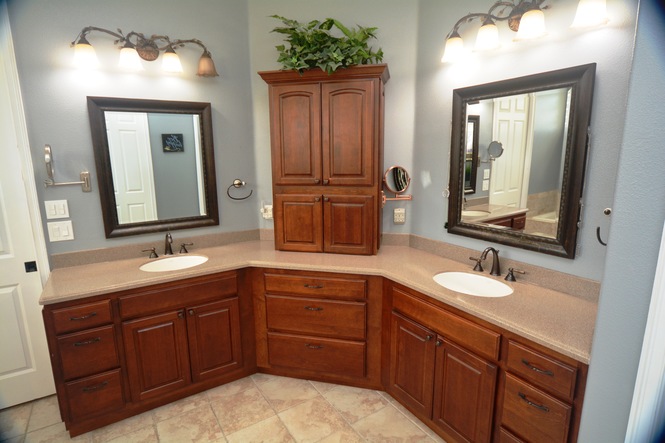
x: 27, y: 170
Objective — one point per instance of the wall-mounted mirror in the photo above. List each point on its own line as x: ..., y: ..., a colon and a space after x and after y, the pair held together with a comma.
x: 155, y: 164
x: 526, y: 187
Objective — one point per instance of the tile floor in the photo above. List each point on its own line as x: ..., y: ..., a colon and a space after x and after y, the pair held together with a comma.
x: 260, y: 408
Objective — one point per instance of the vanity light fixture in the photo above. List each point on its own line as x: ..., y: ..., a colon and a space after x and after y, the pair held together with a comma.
x: 137, y: 47
x: 524, y: 17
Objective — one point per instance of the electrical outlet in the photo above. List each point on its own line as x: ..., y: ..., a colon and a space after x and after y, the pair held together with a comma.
x: 399, y: 216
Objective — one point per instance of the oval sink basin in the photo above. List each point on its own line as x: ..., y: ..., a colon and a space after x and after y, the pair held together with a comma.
x: 173, y: 263
x: 473, y: 284
x: 474, y: 213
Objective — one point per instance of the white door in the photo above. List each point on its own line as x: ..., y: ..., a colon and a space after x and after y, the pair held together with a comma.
x: 131, y: 161
x: 509, y: 178
x: 25, y: 369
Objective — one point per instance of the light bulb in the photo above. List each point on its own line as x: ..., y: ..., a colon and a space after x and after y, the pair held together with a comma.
x: 454, y: 48
x: 171, y: 62
x: 532, y: 25
x: 590, y: 13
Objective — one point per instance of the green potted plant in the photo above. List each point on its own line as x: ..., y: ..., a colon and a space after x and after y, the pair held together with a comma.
x: 313, y: 44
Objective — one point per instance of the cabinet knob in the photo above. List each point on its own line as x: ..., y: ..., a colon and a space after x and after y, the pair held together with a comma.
x: 438, y: 343
x: 317, y: 199
x: 317, y: 181
x: 181, y: 314
x: 325, y: 182
x: 326, y: 199
x: 191, y: 312
x: 428, y: 337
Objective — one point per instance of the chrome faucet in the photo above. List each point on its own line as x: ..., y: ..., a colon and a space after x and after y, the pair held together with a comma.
x: 167, y: 244
x: 496, y: 267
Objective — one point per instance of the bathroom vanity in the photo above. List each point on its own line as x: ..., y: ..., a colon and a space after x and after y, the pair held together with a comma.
x: 472, y: 368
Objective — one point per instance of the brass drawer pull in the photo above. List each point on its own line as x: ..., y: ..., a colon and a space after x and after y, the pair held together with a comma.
x: 88, y: 342
x: 308, y: 286
x: 311, y: 346
x: 95, y: 387
x: 535, y: 405
x: 84, y: 317
x: 536, y: 369
x: 313, y: 308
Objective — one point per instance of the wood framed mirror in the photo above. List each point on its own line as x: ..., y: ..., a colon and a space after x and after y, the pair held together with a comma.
x: 529, y: 194
x: 155, y: 164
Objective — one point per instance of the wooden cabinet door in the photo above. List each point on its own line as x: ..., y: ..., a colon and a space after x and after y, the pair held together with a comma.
x: 156, y: 353
x: 348, y: 132
x: 348, y: 224
x: 463, y: 393
x: 298, y: 222
x: 295, y: 132
x: 412, y: 364
x: 214, y: 339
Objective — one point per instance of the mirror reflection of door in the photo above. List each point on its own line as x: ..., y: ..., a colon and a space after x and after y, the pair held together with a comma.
x: 513, y: 127
x: 131, y: 161
x: 471, y: 154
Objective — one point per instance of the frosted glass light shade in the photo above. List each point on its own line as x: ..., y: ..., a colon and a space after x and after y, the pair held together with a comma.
x: 84, y: 55
x: 171, y: 62
x: 206, y: 66
x: 454, y: 49
x: 129, y: 59
x: 590, y: 13
x: 488, y: 37
x: 532, y: 25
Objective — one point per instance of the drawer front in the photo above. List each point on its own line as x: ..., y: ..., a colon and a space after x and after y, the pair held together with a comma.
x: 507, y: 437
x: 174, y: 297
x: 534, y: 415
x: 550, y: 374
x: 88, y: 352
x: 472, y: 336
x: 323, y: 355
x: 95, y: 395
x: 343, y: 288
x: 80, y: 317
x: 333, y: 318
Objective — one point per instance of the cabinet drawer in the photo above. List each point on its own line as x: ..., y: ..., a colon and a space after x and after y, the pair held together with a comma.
x: 345, y: 288
x: 174, y: 297
x: 472, y: 336
x: 543, y: 370
x: 324, y: 355
x: 507, y: 437
x: 334, y: 318
x: 95, y: 395
x: 534, y: 415
x: 88, y: 352
x: 81, y: 317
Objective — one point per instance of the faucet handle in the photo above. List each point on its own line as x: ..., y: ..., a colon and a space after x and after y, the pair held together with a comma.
x: 478, y: 267
x: 510, y: 276
x: 183, y: 249
x: 153, y: 253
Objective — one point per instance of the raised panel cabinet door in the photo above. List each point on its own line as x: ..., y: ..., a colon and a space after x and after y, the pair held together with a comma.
x: 412, y: 364
x: 348, y: 224
x: 214, y: 339
x: 295, y: 131
x: 463, y: 393
x: 157, y: 354
x: 298, y: 222
x: 349, y: 132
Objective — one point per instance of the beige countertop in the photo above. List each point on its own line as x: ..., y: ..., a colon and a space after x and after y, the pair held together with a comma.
x: 561, y: 322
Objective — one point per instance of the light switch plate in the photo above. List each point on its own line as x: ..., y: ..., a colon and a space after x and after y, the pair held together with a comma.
x: 56, y: 209
x: 486, y: 185
x: 60, y: 231
x: 266, y: 212
x: 399, y: 216
x: 486, y: 174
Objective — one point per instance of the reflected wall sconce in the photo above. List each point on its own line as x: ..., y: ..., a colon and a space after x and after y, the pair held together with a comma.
x: 525, y: 18
x: 136, y: 47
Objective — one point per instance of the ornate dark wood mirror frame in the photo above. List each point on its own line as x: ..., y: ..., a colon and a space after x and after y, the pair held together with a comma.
x: 581, y: 81
x: 112, y: 227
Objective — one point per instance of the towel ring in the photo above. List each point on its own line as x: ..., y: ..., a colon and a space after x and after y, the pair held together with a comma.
x: 237, y: 183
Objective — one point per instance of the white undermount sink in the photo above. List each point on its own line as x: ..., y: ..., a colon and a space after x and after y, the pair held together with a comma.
x: 473, y: 284
x: 474, y: 213
x: 174, y: 263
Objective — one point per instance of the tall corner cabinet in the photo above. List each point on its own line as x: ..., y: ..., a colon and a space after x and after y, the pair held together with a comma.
x: 326, y: 135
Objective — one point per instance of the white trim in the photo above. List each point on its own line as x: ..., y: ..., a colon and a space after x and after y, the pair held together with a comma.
x: 647, y: 413
x: 27, y: 170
